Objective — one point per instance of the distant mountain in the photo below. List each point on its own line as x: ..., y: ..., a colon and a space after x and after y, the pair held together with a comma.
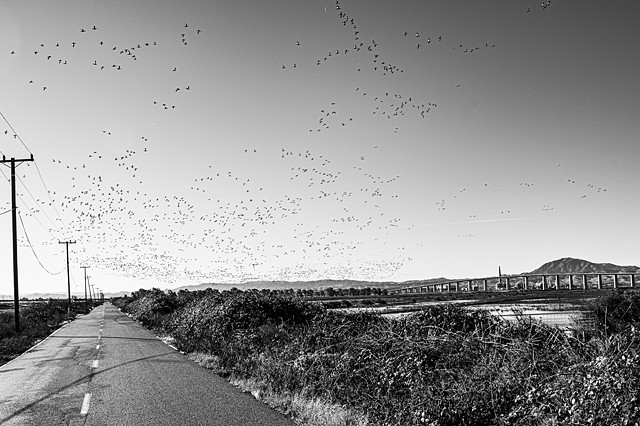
x: 306, y: 285
x: 578, y: 266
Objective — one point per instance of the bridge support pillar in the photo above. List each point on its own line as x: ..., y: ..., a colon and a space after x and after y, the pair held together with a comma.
x: 615, y: 281
x: 506, y: 283
x: 526, y: 283
x: 584, y: 282
x: 484, y: 284
x: 633, y: 280
x: 557, y: 282
x: 599, y: 282
x: 543, y: 282
x: 570, y: 282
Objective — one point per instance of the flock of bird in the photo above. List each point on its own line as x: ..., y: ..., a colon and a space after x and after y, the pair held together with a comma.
x: 129, y: 230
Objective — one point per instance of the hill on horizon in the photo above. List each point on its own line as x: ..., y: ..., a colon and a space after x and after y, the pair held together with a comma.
x: 577, y: 266
x: 307, y: 285
x: 562, y: 266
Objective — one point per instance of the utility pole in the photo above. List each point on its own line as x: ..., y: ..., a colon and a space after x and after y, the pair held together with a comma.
x: 66, y: 243
x: 14, y: 227
x: 89, y: 286
x: 85, y: 285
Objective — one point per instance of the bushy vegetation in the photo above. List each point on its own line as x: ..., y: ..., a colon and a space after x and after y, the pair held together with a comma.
x: 37, y: 321
x: 441, y: 366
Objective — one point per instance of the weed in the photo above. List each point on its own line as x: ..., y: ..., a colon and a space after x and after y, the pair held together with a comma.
x: 444, y: 365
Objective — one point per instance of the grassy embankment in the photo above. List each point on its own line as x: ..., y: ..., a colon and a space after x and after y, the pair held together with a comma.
x: 440, y: 366
x: 37, y: 321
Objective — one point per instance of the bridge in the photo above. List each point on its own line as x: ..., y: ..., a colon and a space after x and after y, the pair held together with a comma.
x: 557, y: 281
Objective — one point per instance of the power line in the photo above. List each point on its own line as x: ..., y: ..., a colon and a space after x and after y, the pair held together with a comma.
x: 29, y: 208
x: 2, y: 171
x: 34, y: 216
x: 36, y: 201
x: 48, y: 195
x: 15, y: 133
x: 33, y: 251
x: 36, y: 164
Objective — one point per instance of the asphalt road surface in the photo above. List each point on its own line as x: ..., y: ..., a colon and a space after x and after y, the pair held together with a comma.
x: 106, y: 369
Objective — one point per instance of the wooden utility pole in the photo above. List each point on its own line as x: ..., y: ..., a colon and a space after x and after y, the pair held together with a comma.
x: 86, y: 303
x: 66, y: 243
x: 89, y: 287
x: 14, y: 227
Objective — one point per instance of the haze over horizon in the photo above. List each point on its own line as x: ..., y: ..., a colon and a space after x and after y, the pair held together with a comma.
x: 238, y: 140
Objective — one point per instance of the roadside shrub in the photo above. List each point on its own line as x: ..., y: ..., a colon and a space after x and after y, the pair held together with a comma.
x: 46, y: 313
x: 617, y: 311
x: 214, y: 321
x: 448, y: 317
x: 444, y: 365
x: 602, y: 390
x: 152, y: 307
x: 6, y: 324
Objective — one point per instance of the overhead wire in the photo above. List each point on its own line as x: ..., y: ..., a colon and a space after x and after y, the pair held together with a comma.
x: 16, y: 135
x: 3, y: 174
x: 36, y: 201
x: 48, y: 193
x: 31, y: 211
x: 34, y: 252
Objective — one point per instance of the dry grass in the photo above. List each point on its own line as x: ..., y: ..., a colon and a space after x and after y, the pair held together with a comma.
x: 307, y: 411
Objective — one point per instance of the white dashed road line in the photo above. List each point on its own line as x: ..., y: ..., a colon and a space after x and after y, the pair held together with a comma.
x: 85, y: 404
x: 94, y: 365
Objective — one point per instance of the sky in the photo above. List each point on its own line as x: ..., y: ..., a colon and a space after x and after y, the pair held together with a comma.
x: 236, y: 140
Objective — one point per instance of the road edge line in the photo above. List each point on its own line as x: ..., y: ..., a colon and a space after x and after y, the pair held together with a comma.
x: 37, y: 344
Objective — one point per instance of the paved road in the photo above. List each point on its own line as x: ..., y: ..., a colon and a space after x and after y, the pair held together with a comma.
x: 105, y: 369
